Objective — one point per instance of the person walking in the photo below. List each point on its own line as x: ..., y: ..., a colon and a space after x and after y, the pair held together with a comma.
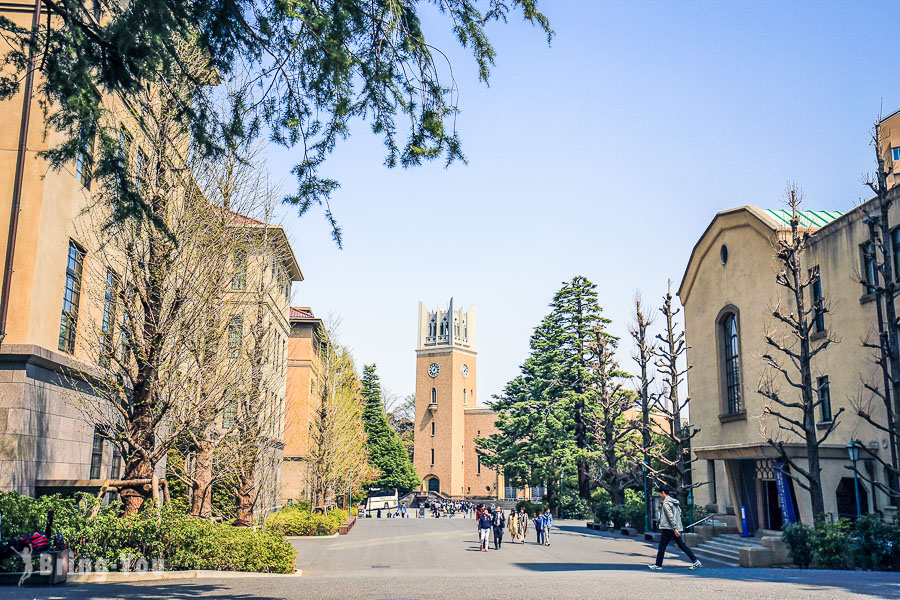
x: 548, y: 523
x: 670, y: 528
x: 522, y: 518
x: 498, y: 522
x: 539, y: 528
x: 513, y: 526
x: 484, y: 529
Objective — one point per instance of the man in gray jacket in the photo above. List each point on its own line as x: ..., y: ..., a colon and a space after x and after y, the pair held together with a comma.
x: 670, y: 528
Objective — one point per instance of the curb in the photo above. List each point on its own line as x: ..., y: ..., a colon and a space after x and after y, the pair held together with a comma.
x: 310, y: 537
x: 133, y: 577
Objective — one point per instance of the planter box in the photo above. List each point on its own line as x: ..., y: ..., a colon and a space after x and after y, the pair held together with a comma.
x: 629, y: 531
x: 347, y: 525
x: 652, y: 536
x: 756, y: 556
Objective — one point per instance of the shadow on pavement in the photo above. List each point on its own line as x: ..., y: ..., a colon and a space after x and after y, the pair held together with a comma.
x: 175, y: 589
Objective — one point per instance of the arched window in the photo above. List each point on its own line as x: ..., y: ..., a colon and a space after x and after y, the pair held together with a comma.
x: 731, y: 363
x: 433, y: 396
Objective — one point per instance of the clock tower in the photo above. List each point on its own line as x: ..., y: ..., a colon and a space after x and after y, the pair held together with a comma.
x: 445, y: 389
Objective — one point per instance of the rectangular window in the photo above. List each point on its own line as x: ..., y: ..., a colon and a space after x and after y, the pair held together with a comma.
x: 115, y: 469
x: 84, y: 159
x: 824, y: 391
x: 432, y: 456
x: 868, y: 267
x: 235, y: 333
x: 239, y: 281
x: 110, y: 298
x: 71, y: 296
x: 895, y: 153
x: 818, y: 300
x: 229, y: 415
x: 464, y: 396
x: 479, y: 465
x: 432, y: 429
x: 124, y: 345
x: 895, y: 247
x: 96, y: 455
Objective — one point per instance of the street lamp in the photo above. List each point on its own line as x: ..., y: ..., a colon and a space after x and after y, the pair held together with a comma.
x: 646, y: 497
x: 853, y: 451
x: 690, y: 503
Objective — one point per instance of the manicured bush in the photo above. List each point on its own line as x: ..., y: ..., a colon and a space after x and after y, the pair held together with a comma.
x: 799, y: 540
x: 531, y: 508
x: 181, y: 541
x: 297, y: 520
x: 575, y: 507
x: 877, y: 543
x: 870, y: 543
x: 832, y: 544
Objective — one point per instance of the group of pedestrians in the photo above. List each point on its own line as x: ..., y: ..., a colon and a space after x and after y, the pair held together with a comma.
x: 494, y: 520
x: 449, y: 508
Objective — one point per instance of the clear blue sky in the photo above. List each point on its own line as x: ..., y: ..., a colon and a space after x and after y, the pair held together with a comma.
x: 606, y: 155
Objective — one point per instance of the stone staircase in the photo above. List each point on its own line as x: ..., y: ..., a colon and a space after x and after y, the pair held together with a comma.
x: 725, y: 548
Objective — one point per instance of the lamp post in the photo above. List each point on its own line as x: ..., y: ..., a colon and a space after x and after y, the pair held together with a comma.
x: 853, y: 451
x: 646, y: 498
x: 350, y: 494
x: 690, y: 503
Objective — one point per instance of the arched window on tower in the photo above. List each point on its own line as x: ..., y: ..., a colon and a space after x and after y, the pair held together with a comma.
x: 433, y: 396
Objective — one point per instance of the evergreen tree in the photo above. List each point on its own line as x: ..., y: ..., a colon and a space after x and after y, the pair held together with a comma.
x: 576, y: 324
x: 534, y: 444
x: 386, y: 451
x: 547, y: 415
x: 314, y: 67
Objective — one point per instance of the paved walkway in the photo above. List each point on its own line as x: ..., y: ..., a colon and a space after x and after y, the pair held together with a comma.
x: 439, y: 559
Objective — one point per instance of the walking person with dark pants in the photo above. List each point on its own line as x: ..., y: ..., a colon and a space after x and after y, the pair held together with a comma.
x: 539, y: 528
x: 498, y: 522
x: 670, y: 528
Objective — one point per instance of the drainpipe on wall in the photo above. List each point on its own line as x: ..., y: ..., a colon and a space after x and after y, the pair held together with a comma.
x: 20, y: 173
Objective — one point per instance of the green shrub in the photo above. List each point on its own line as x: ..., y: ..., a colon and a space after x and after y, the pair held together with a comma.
x: 799, y: 540
x: 532, y: 508
x: 575, y: 507
x: 832, y: 544
x: 876, y: 543
x: 296, y: 520
x: 181, y: 541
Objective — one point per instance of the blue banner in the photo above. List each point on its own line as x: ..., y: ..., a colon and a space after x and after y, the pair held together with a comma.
x: 785, y: 498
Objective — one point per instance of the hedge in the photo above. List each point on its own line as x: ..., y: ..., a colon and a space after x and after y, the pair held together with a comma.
x: 298, y: 520
x: 871, y: 543
x: 181, y: 541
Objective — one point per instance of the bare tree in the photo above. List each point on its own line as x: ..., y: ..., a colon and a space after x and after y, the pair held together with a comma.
x: 337, y: 437
x: 881, y: 280
x: 790, y: 416
x: 615, y: 437
x: 670, y: 351
x: 644, y: 353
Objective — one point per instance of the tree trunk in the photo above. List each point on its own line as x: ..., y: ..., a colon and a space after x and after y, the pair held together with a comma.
x: 201, y: 501
x: 245, y: 497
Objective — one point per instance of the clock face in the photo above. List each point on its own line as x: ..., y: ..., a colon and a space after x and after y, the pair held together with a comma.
x: 434, y: 369
x: 465, y: 370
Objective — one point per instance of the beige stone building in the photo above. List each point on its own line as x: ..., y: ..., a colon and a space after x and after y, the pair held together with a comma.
x: 728, y: 291
x: 46, y: 442
x: 307, y: 334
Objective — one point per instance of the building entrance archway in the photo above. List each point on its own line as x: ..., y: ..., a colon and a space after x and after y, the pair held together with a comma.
x: 433, y: 484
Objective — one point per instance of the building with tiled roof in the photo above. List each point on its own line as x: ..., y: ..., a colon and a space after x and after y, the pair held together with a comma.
x: 728, y: 292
